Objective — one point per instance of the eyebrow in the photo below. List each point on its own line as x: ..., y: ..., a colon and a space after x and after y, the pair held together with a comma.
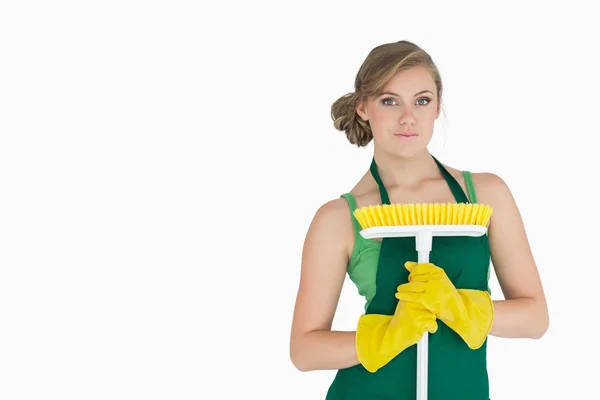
x: 416, y: 94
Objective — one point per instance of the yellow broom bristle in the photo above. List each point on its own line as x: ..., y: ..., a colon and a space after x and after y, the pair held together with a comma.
x: 423, y: 214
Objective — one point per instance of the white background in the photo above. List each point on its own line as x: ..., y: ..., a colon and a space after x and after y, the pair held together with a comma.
x: 161, y: 161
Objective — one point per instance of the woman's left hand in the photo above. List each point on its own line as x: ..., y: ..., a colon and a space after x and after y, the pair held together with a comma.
x: 468, y: 312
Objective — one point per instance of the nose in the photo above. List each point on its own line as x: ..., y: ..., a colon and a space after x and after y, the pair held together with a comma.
x: 407, y: 117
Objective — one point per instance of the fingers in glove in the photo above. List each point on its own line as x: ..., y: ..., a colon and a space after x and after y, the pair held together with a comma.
x: 412, y: 287
x: 412, y: 298
x: 432, y: 327
x: 414, y: 305
x: 426, y: 272
x: 429, y: 325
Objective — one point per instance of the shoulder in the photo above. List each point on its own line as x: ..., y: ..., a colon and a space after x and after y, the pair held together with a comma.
x: 491, y: 188
x: 333, y: 211
x: 333, y: 222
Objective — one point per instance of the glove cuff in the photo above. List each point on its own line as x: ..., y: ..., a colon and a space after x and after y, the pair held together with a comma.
x: 478, y: 310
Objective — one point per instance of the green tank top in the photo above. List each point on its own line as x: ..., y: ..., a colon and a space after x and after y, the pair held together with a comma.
x: 362, y: 267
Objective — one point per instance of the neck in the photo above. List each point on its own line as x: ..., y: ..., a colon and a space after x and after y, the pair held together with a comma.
x: 398, y: 171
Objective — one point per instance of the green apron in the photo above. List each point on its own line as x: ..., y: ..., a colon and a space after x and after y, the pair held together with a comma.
x: 455, y: 371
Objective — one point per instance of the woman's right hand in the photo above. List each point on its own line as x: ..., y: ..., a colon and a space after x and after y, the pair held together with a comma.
x: 380, y: 338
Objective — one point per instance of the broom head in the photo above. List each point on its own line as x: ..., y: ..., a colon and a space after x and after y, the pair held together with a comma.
x: 413, y: 214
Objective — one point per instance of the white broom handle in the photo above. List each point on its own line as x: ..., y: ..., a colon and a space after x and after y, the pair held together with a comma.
x: 423, y: 244
x: 422, y: 354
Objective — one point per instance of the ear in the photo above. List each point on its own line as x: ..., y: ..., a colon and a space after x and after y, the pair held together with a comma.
x: 361, y: 110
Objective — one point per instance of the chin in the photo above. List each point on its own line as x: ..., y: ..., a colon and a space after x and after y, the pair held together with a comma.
x: 402, y: 149
x: 406, y: 151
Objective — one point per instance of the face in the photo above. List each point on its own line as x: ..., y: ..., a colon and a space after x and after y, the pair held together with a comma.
x: 402, y: 118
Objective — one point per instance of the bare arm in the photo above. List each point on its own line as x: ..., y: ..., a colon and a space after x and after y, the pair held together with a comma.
x: 523, y: 313
x: 313, y: 346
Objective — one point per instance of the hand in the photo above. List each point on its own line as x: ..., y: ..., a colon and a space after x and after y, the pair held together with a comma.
x: 468, y: 312
x: 380, y: 338
x: 429, y: 285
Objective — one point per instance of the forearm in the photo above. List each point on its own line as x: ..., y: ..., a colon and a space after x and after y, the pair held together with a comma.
x: 324, y: 350
x: 519, y: 318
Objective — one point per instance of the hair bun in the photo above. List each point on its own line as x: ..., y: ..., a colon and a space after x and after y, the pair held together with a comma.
x: 345, y: 119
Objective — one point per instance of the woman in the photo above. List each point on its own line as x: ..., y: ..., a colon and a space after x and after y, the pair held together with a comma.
x: 397, y: 98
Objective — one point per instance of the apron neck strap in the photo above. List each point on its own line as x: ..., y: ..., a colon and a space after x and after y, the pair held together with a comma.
x: 382, y: 192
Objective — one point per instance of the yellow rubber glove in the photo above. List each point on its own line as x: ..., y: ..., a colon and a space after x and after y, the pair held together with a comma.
x: 468, y: 312
x: 380, y: 338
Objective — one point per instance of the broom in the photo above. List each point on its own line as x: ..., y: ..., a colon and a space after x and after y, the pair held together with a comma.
x: 423, y: 221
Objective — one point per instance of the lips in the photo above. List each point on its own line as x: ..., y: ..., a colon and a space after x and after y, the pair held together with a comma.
x: 406, y: 134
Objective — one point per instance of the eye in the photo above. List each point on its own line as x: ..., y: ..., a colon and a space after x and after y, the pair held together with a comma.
x: 388, y: 101
x: 426, y: 99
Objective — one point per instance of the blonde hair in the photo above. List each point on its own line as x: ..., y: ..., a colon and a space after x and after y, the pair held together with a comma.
x: 379, y: 66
